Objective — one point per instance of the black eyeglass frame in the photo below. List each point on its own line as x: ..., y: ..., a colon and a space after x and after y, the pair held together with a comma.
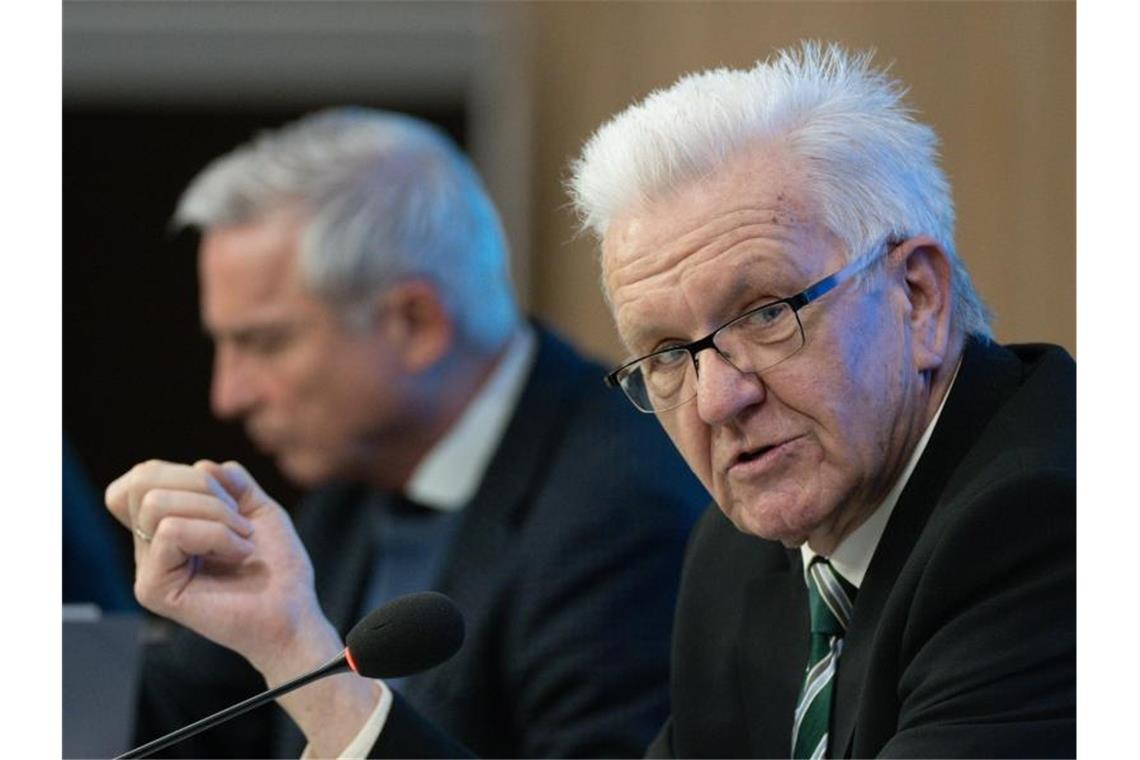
x: 796, y: 302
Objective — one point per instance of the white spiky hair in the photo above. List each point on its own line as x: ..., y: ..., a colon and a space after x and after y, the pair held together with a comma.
x: 871, y: 169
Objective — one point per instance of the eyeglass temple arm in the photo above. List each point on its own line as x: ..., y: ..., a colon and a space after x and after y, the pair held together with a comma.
x: 830, y: 282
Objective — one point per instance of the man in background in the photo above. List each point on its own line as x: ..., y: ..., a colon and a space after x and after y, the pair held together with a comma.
x: 354, y: 281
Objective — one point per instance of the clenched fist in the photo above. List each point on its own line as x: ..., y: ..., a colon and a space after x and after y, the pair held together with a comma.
x: 216, y: 554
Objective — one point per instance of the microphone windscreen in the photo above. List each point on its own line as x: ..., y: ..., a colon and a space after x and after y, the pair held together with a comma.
x: 408, y: 634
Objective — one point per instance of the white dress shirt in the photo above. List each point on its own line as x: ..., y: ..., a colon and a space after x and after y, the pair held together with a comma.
x: 447, y: 478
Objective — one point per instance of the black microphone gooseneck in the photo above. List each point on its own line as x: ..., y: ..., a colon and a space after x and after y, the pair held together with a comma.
x: 336, y: 665
x: 408, y: 634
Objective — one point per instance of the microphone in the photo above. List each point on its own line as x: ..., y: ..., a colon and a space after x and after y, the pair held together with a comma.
x: 409, y: 634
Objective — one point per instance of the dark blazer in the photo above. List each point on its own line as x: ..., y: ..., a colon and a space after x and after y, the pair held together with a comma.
x: 565, y: 565
x: 963, y: 637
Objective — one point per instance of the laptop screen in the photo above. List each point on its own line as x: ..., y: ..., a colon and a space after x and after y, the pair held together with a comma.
x: 102, y: 657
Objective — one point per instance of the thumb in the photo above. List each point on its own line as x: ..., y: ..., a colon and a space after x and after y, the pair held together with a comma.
x: 237, y: 482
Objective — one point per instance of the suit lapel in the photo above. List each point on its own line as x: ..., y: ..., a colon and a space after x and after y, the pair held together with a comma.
x: 516, y: 472
x: 341, y: 539
x: 517, y: 469
x: 988, y: 375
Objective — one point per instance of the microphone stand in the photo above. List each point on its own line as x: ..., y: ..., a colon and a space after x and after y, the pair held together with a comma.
x: 336, y: 665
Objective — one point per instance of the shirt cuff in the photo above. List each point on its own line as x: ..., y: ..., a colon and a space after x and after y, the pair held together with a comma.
x: 360, y: 746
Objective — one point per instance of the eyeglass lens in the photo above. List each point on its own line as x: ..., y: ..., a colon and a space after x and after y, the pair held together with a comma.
x: 753, y: 342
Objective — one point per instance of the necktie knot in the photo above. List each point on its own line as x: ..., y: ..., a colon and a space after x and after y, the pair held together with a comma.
x: 831, y: 597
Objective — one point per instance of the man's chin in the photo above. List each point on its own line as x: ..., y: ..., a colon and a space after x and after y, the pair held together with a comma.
x: 303, y: 471
x: 782, y: 522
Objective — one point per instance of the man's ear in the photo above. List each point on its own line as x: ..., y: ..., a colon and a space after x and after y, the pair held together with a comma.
x: 417, y: 324
x: 926, y: 276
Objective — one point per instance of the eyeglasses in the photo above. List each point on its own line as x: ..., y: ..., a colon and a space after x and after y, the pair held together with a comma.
x: 756, y: 341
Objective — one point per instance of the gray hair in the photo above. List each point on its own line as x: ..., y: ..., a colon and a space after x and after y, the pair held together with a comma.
x: 385, y: 197
x: 871, y: 168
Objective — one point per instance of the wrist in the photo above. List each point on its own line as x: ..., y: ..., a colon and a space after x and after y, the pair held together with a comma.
x: 332, y: 710
x: 338, y: 714
x: 309, y: 647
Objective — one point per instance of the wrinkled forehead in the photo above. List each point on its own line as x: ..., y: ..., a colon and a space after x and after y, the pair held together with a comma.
x: 742, y: 231
x: 760, y: 179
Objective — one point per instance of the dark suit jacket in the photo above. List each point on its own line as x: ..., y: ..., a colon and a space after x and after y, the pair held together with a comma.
x: 565, y: 565
x: 963, y: 637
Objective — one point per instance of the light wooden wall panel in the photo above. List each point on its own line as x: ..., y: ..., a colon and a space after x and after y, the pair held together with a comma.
x: 996, y: 80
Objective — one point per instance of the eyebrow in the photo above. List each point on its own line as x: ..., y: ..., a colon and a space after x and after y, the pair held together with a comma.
x: 743, y: 294
x: 245, y: 333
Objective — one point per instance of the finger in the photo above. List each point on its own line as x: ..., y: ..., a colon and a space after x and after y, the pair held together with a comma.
x: 177, y: 541
x: 121, y: 496
x: 237, y: 482
x: 210, y: 470
x: 115, y: 497
x: 178, y: 538
x: 125, y: 495
x: 161, y: 503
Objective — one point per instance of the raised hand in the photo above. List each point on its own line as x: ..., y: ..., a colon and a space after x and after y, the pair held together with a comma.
x: 216, y: 554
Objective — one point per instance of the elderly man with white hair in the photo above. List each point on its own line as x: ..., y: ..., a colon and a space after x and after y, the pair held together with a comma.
x: 891, y: 570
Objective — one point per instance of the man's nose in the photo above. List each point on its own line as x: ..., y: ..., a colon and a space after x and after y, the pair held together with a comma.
x: 232, y: 388
x: 723, y: 391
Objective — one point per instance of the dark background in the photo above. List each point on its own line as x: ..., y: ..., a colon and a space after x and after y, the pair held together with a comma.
x: 136, y: 364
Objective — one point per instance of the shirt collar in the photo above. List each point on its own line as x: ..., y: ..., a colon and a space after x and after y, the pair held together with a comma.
x: 447, y: 478
x: 852, y: 556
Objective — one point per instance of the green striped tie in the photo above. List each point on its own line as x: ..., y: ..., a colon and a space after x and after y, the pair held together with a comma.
x: 831, y: 600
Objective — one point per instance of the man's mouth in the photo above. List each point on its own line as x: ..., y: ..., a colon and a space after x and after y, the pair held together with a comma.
x: 759, y: 460
x: 751, y: 456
